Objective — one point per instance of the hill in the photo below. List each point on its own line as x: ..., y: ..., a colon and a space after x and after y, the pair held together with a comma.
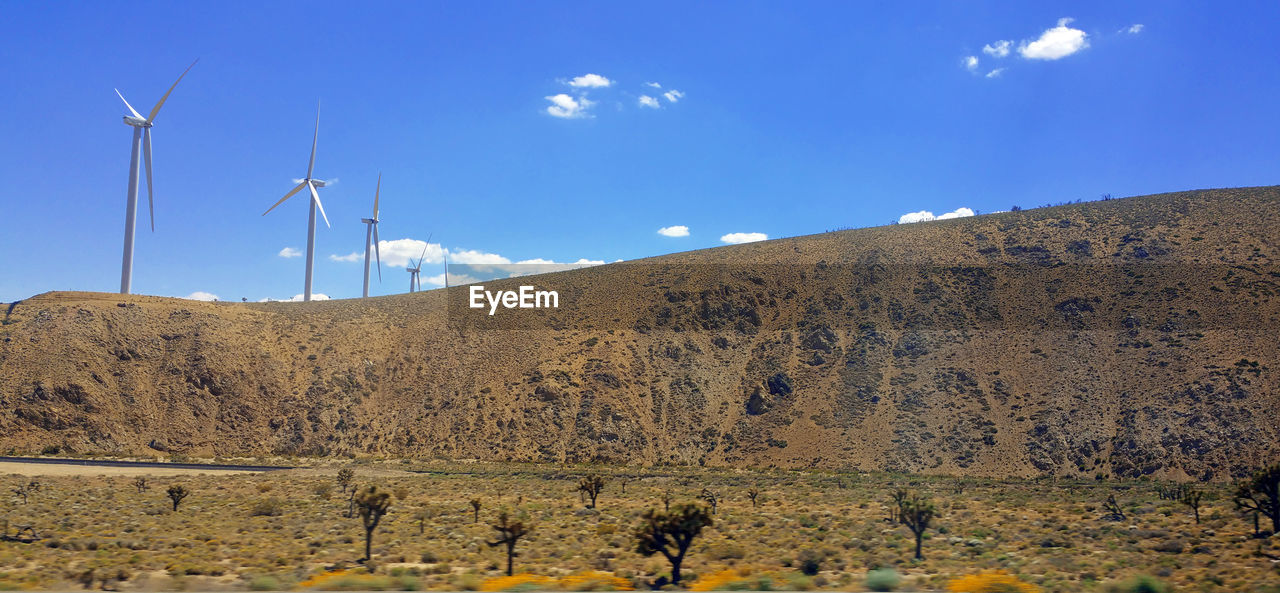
x: 1121, y: 338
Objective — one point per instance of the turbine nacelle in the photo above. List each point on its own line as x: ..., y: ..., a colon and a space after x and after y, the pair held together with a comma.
x: 369, y: 220
x: 137, y: 122
x: 317, y: 182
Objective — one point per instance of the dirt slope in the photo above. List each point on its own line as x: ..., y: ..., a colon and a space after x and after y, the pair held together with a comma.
x: 1127, y: 337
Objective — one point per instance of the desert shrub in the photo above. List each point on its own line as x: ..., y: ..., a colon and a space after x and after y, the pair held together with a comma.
x: 264, y: 583
x: 322, y: 490
x: 264, y: 487
x: 883, y: 579
x: 996, y: 581
x: 267, y: 507
x: 1138, y: 584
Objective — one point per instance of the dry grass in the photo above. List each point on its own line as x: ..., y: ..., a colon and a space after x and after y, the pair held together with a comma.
x: 100, y: 530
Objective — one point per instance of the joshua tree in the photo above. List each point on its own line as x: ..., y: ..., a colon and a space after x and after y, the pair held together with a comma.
x: 1114, y: 512
x: 591, y: 486
x: 1191, y: 496
x: 421, y: 517
x: 475, y: 509
x: 345, y: 476
x: 899, y: 496
x: 1261, y: 494
x: 176, y: 494
x: 25, y: 490
x: 510, y: 532
x: 141, y: 484
x: 373, y: 505
x: 916, y: 513
x: 671, y: 533
x: 712, y: 499
x: 666, y: 500
x: 752, y: 494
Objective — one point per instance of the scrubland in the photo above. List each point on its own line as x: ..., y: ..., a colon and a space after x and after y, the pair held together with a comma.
x: 808, y: 530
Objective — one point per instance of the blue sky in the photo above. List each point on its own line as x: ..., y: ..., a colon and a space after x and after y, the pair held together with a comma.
x: 791, y: 118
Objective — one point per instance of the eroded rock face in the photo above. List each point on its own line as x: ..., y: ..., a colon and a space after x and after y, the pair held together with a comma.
x: 1127, y: 338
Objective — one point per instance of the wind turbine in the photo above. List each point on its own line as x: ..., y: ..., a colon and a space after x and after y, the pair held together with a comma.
x: 141, y: 138
x: 445, y: 253
x: 371, y: 236
x: 414, y: 283
x: 311, y: 185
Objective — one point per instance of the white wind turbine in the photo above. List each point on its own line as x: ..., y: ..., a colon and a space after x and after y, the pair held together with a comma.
x: 141, y: 138
x: 311, y: 185
x: 414, y: 283
x: 371, y: 237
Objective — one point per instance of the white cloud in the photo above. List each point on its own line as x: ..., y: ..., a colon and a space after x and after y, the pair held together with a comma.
x: 678, y: 230
x: 736, y: 238
x: 200, y: 295
x: 567, y: 107
x: 289, y: 252
x: 995, y: 73
x: 999, y: 50
x: 1133, y: 29
x: 653, y: 84
x: 397, y: 253
x: 350, y: 257
x: 673, y: 95
x: 647, y: 101
x: 925, y: 215
x: 474, y: 257
x: 971, y: 63
x: 590, y: 81
x: 1056, y: 43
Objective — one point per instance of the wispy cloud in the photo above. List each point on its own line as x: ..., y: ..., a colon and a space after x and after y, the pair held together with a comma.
x: 564, y: 106
x: 1056, y: 43
x: 289, y: 252
x: 925, y: 215
x: 737, y: 238
x: 590, y: 81
x: 200, y: 295
x: 971, y: 63
x: 995, y: 73
x: 998, y: 49
x: 673, y: 95
x: 1133, y: 29
x: 350, y: 257
x: 678, y: 230
x: 650, y: 102
x: 653, y: 84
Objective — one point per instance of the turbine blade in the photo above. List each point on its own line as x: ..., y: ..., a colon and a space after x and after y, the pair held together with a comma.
x: 311, y: 165
x: 295, y: 190
x: 126, y: 104
x: 375, y: 197
x: 377, y: 251
x: 156, y: 109
x: 315, y: 196
x: 146, y: 151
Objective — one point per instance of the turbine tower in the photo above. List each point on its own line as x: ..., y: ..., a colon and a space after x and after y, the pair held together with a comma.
x: 141, y: 138
x: 371, y: 236
x: 311, y: 185
x: 415, y: 284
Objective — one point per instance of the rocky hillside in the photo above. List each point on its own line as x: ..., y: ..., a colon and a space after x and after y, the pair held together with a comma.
x: 1124, y: 338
